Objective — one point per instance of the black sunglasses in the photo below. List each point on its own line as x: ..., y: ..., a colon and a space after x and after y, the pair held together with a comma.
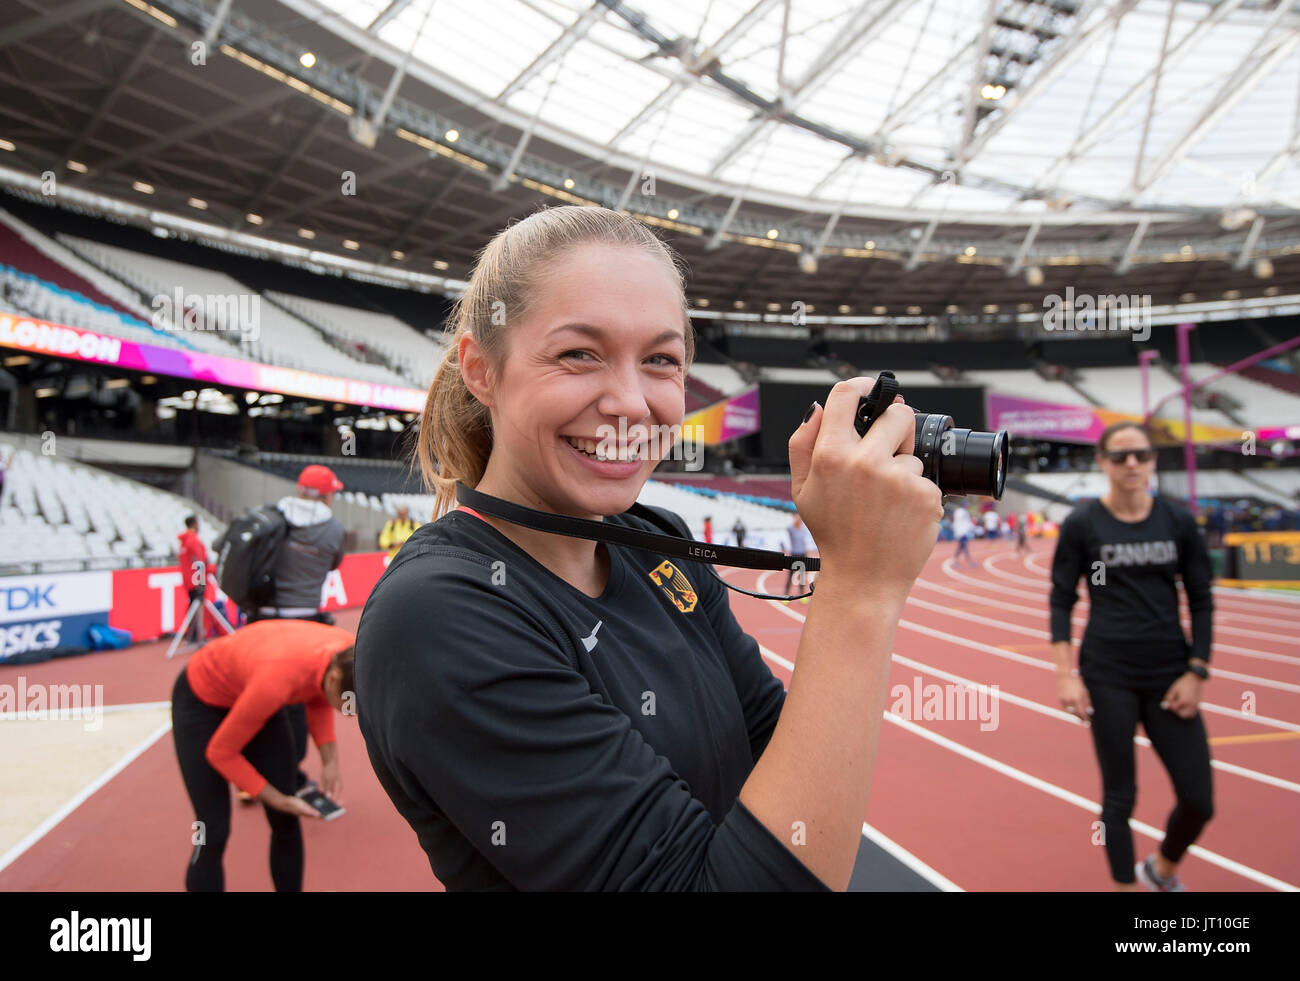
x: 1119, y: 456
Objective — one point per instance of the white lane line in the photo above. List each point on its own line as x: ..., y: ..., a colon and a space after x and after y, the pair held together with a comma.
x: 1042, y: 595
x: 136, y: 706
x: 1045, y: 635
x: 1039, y: 707
x: 1245, y: 871
x: 1050, y: 666
x: 911, y: 861
x: 941, y: 881
x: 1063, y: 716
x: 991, y: 565
x: 83, y: 711
x: 50, y: 822
x: 1214, y: 858
x: 1250, y: 597
x: 1040, y: 612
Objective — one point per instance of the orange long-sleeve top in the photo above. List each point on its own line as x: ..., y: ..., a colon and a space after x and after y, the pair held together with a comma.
x: 255, y: 672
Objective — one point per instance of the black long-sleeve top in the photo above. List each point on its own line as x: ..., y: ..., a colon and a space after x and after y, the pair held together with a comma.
x: 1134, y: 637
x: 538, y: 738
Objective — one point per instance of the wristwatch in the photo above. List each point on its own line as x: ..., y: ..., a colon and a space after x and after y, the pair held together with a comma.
x: 1200, y: 670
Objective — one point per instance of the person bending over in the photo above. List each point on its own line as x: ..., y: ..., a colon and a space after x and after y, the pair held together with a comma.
x: 230, y: 724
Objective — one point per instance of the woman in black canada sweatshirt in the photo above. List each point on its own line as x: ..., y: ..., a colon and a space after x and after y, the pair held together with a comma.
x: 1135, y: 663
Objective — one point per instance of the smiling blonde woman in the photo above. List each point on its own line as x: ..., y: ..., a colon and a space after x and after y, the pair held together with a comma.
x: 554, y: 713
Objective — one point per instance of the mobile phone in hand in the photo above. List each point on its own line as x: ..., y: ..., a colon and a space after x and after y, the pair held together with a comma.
x: 326, y: 807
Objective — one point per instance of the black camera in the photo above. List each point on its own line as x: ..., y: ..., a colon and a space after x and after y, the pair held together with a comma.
x: 960, y: 461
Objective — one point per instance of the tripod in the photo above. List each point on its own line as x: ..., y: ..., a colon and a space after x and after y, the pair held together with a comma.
x: 196, y: 607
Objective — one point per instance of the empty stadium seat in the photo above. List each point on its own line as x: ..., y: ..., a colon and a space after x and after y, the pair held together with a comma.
x: 414, y: 355
x: 54, y: 511
x: 277, y: 337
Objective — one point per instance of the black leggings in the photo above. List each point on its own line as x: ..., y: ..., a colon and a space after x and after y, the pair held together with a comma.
x: 196, y: 632
x: 1182, y: 747
x: 271, y: 752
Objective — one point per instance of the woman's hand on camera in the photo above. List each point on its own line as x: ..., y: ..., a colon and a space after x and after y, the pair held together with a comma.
x: 874, y: 517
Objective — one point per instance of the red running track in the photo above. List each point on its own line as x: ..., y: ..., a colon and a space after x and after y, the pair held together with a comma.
x: 1005, y: 807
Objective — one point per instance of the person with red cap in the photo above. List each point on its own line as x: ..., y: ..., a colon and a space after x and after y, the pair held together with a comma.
x: 312, y: 548
x: 194, y: 566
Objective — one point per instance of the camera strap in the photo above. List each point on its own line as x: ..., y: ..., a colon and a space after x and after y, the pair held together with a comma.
x: 670, y: 544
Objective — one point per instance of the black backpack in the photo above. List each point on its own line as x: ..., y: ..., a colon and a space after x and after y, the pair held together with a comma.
x: 246, y: 556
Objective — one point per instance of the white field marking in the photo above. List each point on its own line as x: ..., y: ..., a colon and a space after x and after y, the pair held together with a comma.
x: 1076, y: 621
x: 1036, y: 662
x: 1061, y: 793
x: 911, y: 861
x: 1033, y: 706
x: 1041, y: 595
x: 1252, y: 596
x: 1277, y: 621
x: 887, y: 844
x: 1063, y: 716
x: 1214, y: 858
x: 136, y: 706
x: 41, y: 830
x: 990, y: 566
x: 1031, y: 564
x: 1050, y: 666
x: 1046, y: 635
x: 774, y: 657
x: 104, y: 710
x: 1248, y: 596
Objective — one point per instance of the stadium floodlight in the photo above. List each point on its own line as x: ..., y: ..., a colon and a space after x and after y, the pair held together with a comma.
x: 363, y: 131
x: 1236, y: 218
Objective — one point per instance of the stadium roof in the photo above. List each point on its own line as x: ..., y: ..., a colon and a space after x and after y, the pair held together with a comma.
x: 873, y: 103
x: 922, y: 155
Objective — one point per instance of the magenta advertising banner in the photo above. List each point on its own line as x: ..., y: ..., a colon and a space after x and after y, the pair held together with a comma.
x: 731, y: 418
x: 1046, y: 420
x: 1084, y: 424
x: 60, y: 341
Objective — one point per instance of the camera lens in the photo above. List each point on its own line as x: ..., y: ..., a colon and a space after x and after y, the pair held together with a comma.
x: 961, y: 461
